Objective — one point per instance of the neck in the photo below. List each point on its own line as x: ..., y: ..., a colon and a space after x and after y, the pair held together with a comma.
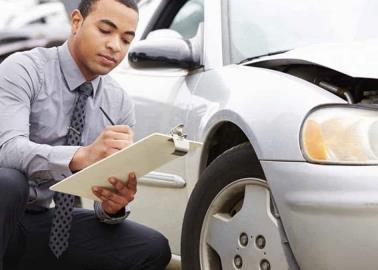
x: 71, y: 47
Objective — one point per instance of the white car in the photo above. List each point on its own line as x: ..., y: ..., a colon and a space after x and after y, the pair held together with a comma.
x: 31, y: 25
x: 10, y: 8
x: 24, y: 13
x: 283, y: 95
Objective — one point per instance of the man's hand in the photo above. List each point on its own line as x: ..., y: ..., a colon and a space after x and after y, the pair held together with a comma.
x: 114, y: 201
x: 111, y: 140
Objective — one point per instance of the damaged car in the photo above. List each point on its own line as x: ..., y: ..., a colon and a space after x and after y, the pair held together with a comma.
x: 283, y: 95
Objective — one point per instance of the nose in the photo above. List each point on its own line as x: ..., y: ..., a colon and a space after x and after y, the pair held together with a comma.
x: 114, y: 43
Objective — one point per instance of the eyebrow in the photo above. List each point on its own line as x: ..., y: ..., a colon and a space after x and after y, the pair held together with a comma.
x: 111, y: 24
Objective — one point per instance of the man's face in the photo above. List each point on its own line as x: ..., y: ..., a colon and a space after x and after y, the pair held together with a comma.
x: 101, y: 40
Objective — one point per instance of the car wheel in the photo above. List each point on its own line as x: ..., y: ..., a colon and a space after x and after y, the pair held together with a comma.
x: 228, y: 222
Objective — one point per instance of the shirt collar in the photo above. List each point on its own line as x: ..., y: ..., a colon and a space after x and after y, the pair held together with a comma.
x: 71, y: 71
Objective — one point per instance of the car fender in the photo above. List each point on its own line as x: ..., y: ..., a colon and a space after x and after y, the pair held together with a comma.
x: 267, y: 105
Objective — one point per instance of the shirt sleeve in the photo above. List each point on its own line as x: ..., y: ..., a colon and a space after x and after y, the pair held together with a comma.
x: 105, y: 218
x: 20, y: 82
x: 128, y: 111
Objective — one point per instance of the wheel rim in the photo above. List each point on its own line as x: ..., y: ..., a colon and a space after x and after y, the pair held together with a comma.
x: 230, y: 236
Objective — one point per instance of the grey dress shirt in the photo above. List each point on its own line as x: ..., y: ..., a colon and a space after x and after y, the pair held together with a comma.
x: 37, y: 98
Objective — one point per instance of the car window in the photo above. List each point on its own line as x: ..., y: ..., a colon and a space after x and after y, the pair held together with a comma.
x: 146, y: 12
x: 259, y: 27
x: 188, y: 18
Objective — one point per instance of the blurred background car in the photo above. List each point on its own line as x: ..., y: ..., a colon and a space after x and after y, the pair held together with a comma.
x: 26, y: 24
x: 30, y: 24
x: 11, y: 8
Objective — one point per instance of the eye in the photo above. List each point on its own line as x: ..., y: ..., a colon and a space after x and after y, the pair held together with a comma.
x: 104, y: 31
x: 125, y: 41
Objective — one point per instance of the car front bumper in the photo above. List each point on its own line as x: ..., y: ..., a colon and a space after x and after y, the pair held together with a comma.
x: 330, y: 213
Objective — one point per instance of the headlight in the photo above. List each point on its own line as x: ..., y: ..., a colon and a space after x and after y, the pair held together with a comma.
x: 341, y: 135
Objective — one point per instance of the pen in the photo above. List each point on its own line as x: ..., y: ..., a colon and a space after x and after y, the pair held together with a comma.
x: 107, y: 116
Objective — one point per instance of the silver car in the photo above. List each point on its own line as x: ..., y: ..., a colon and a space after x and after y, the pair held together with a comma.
x: 283, y: 95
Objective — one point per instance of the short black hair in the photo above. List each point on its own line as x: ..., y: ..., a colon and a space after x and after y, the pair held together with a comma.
x: 85, y: 6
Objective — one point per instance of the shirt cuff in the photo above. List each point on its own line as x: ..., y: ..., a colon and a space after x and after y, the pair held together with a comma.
x: 59, y: 161
x: 104, y: 217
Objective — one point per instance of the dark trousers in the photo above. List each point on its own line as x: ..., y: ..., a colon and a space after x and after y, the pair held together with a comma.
x: 93, y: 245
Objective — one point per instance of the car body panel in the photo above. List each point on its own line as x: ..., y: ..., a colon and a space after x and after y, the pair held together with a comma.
x: 356, y: 59
x: 159, y: 106
x: 212, y: 52
x: 329, y: 213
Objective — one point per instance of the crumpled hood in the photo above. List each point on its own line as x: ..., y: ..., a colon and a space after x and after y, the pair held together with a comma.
x: 356, y: 59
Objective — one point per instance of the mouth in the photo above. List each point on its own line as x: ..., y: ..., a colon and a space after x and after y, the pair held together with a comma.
x: 107, y: 60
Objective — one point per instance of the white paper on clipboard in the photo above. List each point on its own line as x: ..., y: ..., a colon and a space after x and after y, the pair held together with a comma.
x: 141, y: 157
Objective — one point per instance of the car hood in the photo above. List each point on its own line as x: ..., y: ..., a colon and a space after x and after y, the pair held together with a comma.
x: 357, y: 59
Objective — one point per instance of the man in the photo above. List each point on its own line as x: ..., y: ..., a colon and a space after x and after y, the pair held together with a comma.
x: 52, y: 125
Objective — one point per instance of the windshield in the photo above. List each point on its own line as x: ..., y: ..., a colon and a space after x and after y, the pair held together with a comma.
x: 259, y: 27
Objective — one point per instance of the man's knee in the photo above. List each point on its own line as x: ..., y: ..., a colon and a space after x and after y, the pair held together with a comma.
x: 159, y: 250
x: 13, y: 186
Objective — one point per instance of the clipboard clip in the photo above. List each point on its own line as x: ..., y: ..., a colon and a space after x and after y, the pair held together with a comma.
x: 179, y: 140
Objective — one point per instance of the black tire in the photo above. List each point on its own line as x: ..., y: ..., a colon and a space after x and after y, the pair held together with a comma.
x: 236, y: 163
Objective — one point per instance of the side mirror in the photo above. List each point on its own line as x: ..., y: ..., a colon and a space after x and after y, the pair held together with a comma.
x: 164, y: 47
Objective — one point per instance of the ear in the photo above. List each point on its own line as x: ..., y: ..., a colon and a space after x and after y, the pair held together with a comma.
x: 76, y: 21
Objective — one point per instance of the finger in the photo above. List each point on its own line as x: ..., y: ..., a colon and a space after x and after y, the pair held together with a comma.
x: 100, y: 196
x: 132, y: 182
x: 97, y: 194
x: 123, y: 191
x: 113, y: 196
x: 118, y: 135
x: 119, y: 185
x: 103, y: 193
x: 119, y: 144
x: 116, y: 200
x: 120, y: 128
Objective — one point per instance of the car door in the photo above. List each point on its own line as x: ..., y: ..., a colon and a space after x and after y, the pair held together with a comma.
x: 162, y: 97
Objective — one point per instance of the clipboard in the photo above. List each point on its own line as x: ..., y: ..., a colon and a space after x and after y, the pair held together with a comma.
x: 141, y: 157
